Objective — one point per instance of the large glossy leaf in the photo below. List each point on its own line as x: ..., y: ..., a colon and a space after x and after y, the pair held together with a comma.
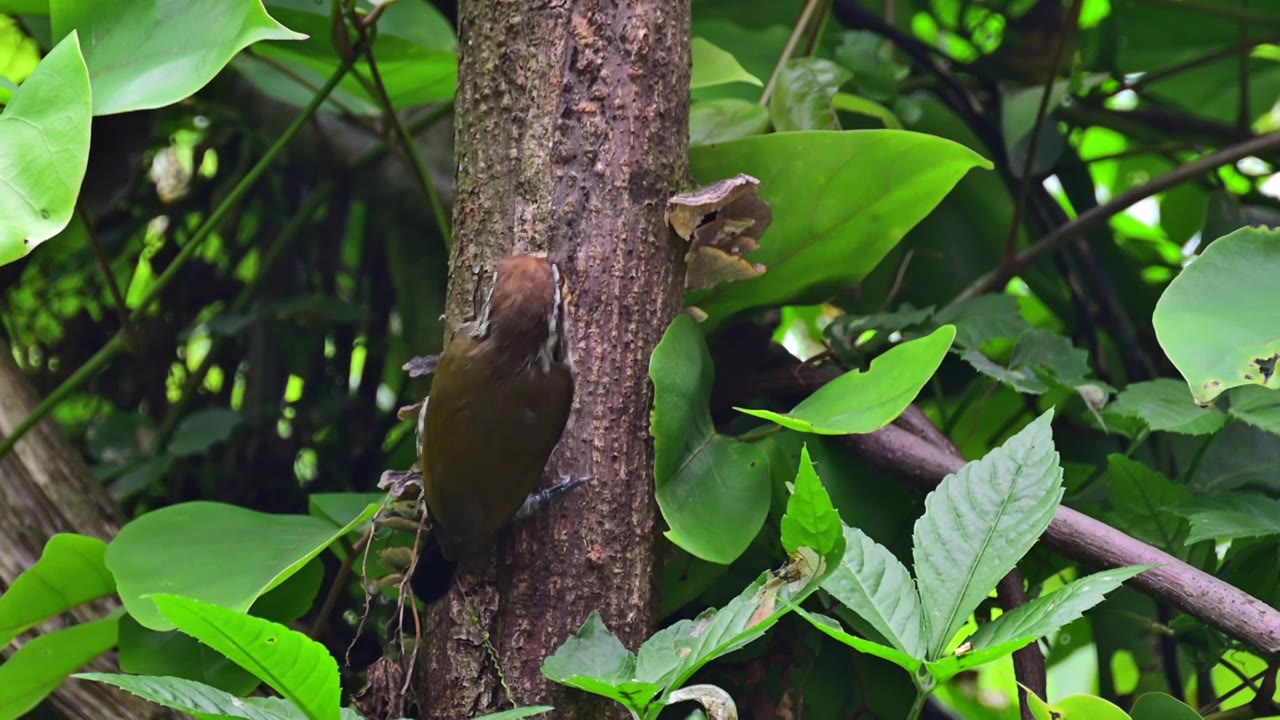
x: 979, y: 522
x: 1048, y: 613
x: 297, y: 667
x: 70, y: 572
x: 859, y: 402
x: 151, y: 53
x: 41, y: 665
x: 44, y: 150
x: 874, y: 584
x: 1216, y: 320
x: 1084, y: 707
x: 713, y: 490
x: 832, y: 223
x: 242, y: 553
x: 1164, y: 404
x: 415, y: 49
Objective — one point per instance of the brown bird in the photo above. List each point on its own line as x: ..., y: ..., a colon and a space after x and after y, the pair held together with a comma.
x: 499, y: 401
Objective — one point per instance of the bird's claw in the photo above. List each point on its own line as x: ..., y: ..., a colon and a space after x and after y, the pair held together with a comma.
x: 538, y: 500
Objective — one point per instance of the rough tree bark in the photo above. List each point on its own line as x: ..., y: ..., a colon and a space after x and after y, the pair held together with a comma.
x: 45, y: 489
x: 572, y: 131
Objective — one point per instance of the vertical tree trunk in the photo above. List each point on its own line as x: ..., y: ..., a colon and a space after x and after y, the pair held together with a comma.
x: 572, y: 131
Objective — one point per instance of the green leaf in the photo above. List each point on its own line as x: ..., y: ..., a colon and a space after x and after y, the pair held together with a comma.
x: 1039, y: 358
x: 1142, y: 499
x: 1018, y: 111
x: 517, y: 713
x: 1083, y: 707
x: 811, y: 520
x: 243, y: 554
x: 1159, y: 706
x: 415, y: 50
x: 859, y: 105
x: 337, y: 507
x: 19, y: 54
x: 69, y: 573
x: 832, y: 627
x: 859, y: 402
x: 714, y: 491
x: 203, y: 429
x: 147, y: 652
x: 1048, y: 613
x: 1163, y: 404
x: 1258, y: 406
x: 983, y: 319
x: 713, y: 66
x: 1231, y: 515
x: 831, y: 226
x: 979, y: 522
x: 595, y: 660
x: 44, y: 150
x: 674, y: 654
x: 873, y: 583
x: 725, y: 119
x: 802, y: 95
x: 41, y: 665
x: 135, y: 67
x: 297, y: 667
x: 870, y: 57
x: 1238, y: 456
x: 951, y: 665
x: 1215, y: 321
x: 198, y: 699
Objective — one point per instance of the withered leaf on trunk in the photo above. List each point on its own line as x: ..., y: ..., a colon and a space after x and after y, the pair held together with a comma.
x: 721, y: 222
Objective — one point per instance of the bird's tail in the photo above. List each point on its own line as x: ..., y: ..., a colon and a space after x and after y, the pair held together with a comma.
x: 433, y: 575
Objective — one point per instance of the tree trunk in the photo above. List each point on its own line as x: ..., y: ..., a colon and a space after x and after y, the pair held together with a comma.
x: 45, y: 489
x: 572, y: 131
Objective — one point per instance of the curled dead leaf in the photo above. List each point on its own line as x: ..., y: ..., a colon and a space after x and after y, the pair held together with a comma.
x: 718, y: 703
x: 721, y: 222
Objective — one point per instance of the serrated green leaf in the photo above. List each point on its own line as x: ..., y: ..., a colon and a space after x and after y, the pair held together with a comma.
x: 714, y: 491
x: 811, y: 520
x: 40, y: 666
x: 951, y: 665
x: 873, y: 583
x: 983, y: 319
x: 70, y: 572
x: 1256, y: 405
x: 1231, y: 515
x: 594, y: 660
x: 44, y: 150
x: 1142, y: 499
x: 859, y: 402
x: 1215, y: 320
x: 1038, y: 356
x: 1165, y: 405
x: 294, y: 665
x: 1048, y: 613
x: 243, y: 554
x: 979, y: 522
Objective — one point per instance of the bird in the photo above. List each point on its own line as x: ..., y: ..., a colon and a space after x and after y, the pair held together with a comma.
x: 499, y: 401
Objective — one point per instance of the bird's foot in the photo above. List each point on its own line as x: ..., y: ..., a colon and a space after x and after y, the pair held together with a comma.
x: 537, y: 501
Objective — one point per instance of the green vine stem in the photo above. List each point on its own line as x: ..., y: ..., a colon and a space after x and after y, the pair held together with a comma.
x: 113, y: 346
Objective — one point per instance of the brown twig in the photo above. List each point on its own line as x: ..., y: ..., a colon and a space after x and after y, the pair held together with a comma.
x: 113, y: 287
x: 1028, y: 663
